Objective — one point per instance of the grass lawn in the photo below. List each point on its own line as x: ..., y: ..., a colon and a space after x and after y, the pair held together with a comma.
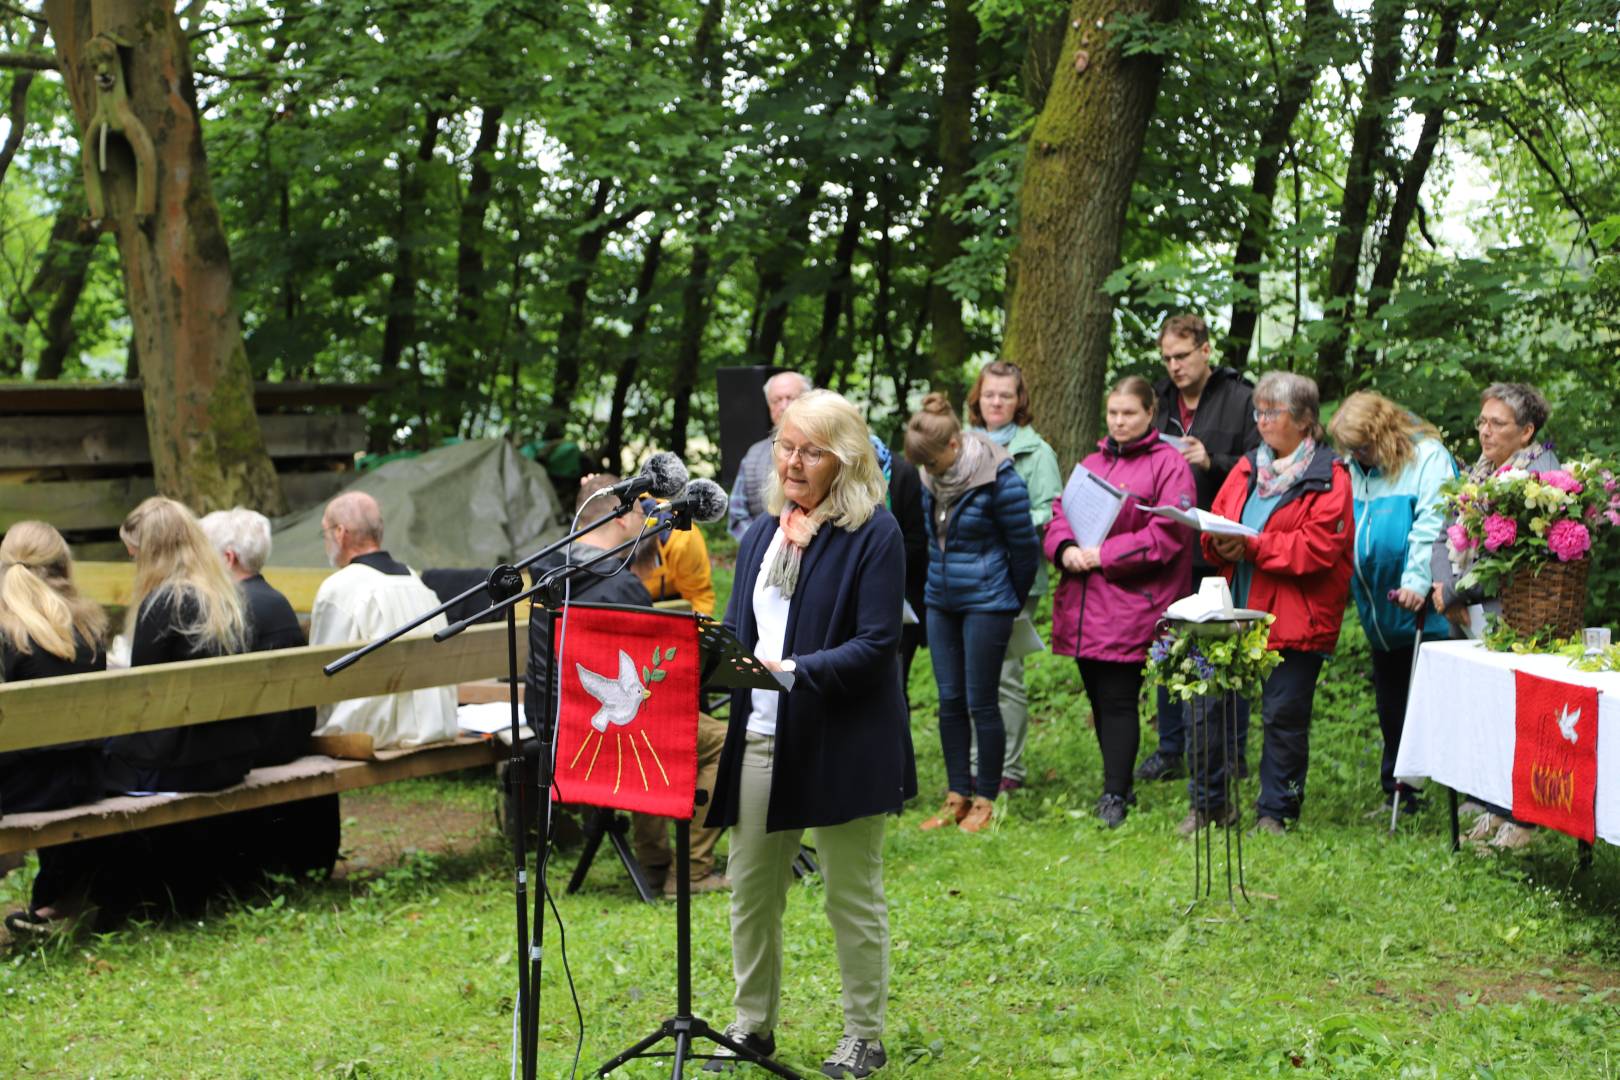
x: 1048, y: 948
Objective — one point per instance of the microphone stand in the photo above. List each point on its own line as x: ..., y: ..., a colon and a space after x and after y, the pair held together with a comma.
x: 505, y: 584
x: 545, y: 735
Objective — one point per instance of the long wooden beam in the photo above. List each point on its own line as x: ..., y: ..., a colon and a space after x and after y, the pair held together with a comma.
x: 109, y: 583
x: 43, y: 712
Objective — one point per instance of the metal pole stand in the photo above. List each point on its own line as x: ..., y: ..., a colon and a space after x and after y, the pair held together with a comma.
x: 1217, y: 750
x: 683, y: 1027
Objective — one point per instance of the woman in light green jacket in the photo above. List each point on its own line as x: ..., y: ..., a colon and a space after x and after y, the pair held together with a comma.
x: 998, y: 405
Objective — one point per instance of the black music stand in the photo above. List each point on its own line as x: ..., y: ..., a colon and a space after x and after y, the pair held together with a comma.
x: 725, y: 665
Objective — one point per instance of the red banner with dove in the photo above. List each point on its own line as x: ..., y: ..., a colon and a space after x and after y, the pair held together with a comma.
x: 627, y: 730
x: 1555, y: 755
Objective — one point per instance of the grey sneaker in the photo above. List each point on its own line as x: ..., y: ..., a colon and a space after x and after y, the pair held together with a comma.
x: 725, y: 1060
x: 1161, y: 766
x: 854, y: 1056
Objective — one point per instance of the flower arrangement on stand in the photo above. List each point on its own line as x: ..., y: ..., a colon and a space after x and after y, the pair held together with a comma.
x: 1194, y: 660
x: 1527, y: 537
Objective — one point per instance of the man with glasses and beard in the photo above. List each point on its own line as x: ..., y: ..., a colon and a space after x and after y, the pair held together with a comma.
x: 1208, y: 414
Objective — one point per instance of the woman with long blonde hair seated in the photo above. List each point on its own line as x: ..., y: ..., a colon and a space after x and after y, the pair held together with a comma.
x: 46, y: 629
x: 184, y: 606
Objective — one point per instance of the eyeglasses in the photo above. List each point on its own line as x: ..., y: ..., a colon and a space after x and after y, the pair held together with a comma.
x: 1483, y: 422
x: 811, y: 456
x: 1180, y: 357
x: 1268, y: 414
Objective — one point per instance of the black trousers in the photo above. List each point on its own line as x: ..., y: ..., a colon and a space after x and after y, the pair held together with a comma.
x: 1285, y: 712
x: 1115, y: 691
x: 1392, y: 678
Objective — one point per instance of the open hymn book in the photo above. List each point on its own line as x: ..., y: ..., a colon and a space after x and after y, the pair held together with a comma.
x: 1203, y: 521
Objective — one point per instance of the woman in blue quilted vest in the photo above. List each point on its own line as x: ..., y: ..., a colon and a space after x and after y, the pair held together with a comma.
x: 983, y: 555
x: 1397, y: 465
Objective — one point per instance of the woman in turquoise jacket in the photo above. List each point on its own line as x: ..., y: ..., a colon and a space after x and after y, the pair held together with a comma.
x: 1397, y: 466
x: 998, y: 405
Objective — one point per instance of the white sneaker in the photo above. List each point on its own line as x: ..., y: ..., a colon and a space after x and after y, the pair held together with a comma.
x: 1511, y: 837
x: 1485, y: 827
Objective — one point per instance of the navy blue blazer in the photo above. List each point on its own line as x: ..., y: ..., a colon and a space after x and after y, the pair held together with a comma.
x: 843, y: 738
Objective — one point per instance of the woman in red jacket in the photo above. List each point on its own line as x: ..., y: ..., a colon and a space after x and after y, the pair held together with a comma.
x: 1296, y: 493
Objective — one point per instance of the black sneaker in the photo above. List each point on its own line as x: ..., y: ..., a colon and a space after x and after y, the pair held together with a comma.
x: 854, y: 1056
x: 1161, y: 766
x: 1113, y: 809
x: 725, y: 1059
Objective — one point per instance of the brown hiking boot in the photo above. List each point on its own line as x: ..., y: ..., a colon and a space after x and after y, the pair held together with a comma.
x: 979, y: 815
x: 955, y: 809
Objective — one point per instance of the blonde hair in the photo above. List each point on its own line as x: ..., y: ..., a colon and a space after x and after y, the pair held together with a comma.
x: 173, y: 559
x: 858, y: 488
x: 931, y: 429
x: 39, y: 604
x: 1371, y: 422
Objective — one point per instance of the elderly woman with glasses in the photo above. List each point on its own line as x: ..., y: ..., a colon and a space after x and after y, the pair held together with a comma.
x: 1295, y: 493
x: 983, y: 555
x: 818, y: 593
x: 1397, y: 467
x: 1510, y: 422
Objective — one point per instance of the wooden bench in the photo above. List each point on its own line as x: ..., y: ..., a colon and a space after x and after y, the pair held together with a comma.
x: 44, y: 712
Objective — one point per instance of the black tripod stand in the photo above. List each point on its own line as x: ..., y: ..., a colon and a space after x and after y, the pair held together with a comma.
x: 725, y: 664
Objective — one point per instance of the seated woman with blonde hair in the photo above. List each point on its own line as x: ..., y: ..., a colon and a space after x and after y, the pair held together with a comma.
x: 184, y: 606
x: 47, y: 629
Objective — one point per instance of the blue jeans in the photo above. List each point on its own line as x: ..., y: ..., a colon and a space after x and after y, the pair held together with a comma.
x: 967, y: 648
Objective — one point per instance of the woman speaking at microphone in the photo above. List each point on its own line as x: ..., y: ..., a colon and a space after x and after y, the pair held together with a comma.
x: 818, y: 593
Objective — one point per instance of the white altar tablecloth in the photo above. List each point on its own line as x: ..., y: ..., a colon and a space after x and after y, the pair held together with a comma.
x: 1459, y: 724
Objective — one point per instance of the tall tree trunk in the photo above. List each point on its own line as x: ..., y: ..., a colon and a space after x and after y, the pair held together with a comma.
x: 1392, y: 245
x: 630, y: 363
x: 207, y: 449
x: 950, y: 345
x: 399, y: 331
x: 1369, y: 138
x: 1081, y: 162
x: 1317, y: 33
x: 464, y: 363
x: 17, y: 108
x: 839, y: 295
x: 593, y: 234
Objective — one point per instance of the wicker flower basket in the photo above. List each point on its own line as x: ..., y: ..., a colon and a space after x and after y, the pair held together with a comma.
x: 1553, y: 594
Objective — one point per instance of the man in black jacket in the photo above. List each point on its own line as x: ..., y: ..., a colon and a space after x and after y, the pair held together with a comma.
x: 1208, y: 414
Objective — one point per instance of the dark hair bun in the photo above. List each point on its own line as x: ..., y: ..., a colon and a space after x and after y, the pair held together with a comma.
x: 936, y: 402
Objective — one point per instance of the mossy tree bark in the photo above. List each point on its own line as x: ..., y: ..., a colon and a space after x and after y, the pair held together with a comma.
x: 950, y: 347
x: 207, y: 449
x: 1081, y: 162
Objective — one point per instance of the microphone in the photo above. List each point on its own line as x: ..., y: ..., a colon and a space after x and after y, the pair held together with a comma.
x: 704, y: 500
x: 662, y: 476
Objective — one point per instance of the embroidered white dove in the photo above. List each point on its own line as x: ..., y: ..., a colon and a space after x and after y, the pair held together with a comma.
x: 1566, y: 723
x: 621, y: 698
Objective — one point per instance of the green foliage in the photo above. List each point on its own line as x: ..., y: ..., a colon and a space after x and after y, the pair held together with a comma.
x: 1194, y: 660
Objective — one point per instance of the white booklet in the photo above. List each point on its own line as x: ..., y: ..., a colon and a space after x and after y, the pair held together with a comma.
x: 1090, y: 504
x: 1175, y: 442
x: 1203, y: 521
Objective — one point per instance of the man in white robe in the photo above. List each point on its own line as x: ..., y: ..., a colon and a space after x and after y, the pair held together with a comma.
x: 369, y: 595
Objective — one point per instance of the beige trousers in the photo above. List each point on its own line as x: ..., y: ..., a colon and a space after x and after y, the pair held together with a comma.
x: 651, y: 834
x: 761, y: 869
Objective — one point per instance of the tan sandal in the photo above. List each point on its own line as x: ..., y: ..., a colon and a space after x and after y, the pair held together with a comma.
x: 955, y: 809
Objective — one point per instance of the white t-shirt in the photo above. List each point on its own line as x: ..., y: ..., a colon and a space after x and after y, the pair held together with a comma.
x: 770, y: 617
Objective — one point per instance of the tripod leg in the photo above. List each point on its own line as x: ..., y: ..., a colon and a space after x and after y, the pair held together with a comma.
x: 593, y: 841
x: 701, y: 1028
x: 663, y: 1032
x: 632, y: 866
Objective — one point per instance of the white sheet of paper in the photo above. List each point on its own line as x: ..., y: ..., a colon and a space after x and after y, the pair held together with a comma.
x: 1090, y: 504
x: 908, y: 614
x: 1203, y: 521
x: 485, y: 718
x: 1176, y: 442
x: 1476, y: 622
x: 1025, y: 639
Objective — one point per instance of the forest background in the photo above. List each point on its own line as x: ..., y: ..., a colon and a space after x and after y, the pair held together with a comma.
x: 558, y: 218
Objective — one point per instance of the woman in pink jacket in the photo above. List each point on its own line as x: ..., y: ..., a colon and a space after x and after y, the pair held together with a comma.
x: 1111, y: 597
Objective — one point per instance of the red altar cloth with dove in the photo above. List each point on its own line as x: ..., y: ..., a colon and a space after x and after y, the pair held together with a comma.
x: 1555, y: 764
x: 627, y: 729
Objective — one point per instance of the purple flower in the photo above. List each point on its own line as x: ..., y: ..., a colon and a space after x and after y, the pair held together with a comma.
x: 1569, y: 540
x: 1500, y: 532
x: 1160, y: 651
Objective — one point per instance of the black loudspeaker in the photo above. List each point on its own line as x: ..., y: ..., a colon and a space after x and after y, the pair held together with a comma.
x: 744, y: 417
